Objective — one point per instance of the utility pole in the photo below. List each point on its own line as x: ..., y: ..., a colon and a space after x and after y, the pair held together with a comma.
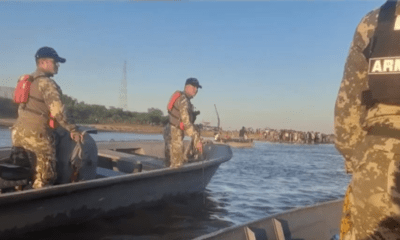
x: 217, y: 116
x: 123, y: 96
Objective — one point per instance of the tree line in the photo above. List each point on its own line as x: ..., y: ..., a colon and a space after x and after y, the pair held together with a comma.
x: 80, y: 112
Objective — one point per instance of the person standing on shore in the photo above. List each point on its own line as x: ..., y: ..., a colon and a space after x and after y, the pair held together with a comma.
x: 38, y: 114
x: 181, y: 121
x: 242, y: 133
x: 367, y: 127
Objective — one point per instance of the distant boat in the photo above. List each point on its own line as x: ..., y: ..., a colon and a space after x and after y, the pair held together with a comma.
x: 321, y: 221
x: 233, y: 142
x: 238, y: 143
x: 125, y: 175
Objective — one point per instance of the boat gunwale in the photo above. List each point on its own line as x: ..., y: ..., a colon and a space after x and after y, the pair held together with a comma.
x: 68, y: 188
x: 260, y: 220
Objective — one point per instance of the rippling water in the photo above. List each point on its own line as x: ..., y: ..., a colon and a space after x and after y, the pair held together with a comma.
x: 257, y: 182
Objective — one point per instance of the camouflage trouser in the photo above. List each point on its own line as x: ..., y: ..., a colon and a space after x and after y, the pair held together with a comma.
x: 372, y: 203
x: 346, y: 224
x: 167, y: 140
x: 176, y: 147
x: 43, y: 145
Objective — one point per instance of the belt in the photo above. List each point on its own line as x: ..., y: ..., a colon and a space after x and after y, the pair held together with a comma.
x: 384, y: 132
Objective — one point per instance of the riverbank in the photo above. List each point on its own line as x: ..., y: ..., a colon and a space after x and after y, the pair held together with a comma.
x: 147, y: 129
x: 117, y: 127
x: 132, y: 128
x: 6, y: 122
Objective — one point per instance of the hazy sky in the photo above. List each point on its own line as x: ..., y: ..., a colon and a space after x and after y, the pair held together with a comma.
x: 274, y: 64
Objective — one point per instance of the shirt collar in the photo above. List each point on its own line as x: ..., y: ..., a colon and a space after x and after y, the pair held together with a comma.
x: 39, y: 72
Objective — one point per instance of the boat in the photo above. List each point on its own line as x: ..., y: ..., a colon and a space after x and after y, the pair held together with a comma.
x: 233, y: 142
x: 238, y: 143
x: 115, y: 177
x: 320, y: 221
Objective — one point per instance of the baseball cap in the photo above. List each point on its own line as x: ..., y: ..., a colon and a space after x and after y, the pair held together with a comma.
x: 193, y: 82
x: 48, y: 52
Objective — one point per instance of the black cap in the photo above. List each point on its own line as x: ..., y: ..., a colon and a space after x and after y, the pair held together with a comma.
x: 193, y: 82
x: 48, y: 52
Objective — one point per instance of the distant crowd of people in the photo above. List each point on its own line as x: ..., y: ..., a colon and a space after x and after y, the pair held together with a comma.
x: 292, y: 136
x: 281, y: 135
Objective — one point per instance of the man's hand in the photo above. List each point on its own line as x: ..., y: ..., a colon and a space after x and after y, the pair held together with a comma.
x: 195, y: 113
x: 76, y: 136
x: 199, y: 147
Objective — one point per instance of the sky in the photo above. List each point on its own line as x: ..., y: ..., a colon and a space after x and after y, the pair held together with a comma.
x: 275, y: 64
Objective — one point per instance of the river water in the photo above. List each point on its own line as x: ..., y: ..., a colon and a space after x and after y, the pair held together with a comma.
x: 257, y: 182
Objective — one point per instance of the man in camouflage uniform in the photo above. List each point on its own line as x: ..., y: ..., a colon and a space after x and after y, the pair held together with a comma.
x: 368, y: 136
x: 31, y: 130
x: 181, y: 121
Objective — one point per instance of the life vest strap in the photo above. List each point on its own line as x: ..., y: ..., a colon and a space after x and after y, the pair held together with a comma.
x: 173, y: 115
x: 51, y: 119
x: 34, y: 111
x: 36, y: 99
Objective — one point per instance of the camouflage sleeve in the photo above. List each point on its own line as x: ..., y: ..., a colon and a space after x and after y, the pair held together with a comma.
x: 349, y: 110
x: 190, y: 130
x: 52, y: 97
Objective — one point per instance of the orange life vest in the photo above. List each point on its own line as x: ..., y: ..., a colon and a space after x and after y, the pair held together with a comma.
x: 21, y: 96
x: 21, y: 92
x: 173, y: 111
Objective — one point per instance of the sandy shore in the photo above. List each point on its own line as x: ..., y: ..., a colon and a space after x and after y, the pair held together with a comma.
x: 135, y: 128
x: 132, y: 128
x: 6, y: 122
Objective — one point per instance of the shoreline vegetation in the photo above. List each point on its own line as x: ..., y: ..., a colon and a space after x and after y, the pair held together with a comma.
x: 114, y: 127
x: 148, y: 129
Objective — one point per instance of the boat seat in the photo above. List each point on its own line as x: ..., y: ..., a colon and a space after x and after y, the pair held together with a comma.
x: 105, y: 172
x: 128, y: 163
x: 14, y: 172
x: 4, y: 184
x: 12, y: 176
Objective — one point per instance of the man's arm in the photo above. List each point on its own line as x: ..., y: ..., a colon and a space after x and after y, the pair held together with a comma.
x: 349, y: 108
x: 52, y: 98
x: 190, y: 130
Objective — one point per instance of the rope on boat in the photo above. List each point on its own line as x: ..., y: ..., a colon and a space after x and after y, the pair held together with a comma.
x: 201, y: 155
x: 76, y: 159
x: 204, y: 185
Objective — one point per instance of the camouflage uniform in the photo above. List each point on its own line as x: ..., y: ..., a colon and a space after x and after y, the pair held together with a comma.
x: 368, y: 137
x: 32, y: 132
x: 186, y: 116
x: 167, y: 141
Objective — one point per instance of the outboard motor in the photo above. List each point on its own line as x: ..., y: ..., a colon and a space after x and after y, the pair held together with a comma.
x: 17, y: 170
